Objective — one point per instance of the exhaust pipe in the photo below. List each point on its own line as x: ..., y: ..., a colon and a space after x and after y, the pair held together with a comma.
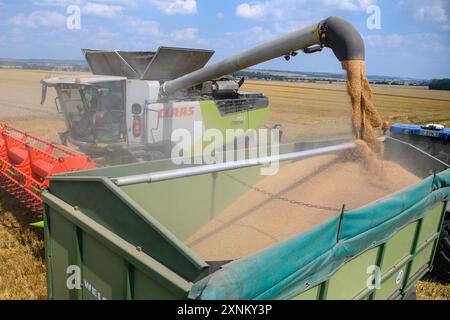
x: 335, y: 33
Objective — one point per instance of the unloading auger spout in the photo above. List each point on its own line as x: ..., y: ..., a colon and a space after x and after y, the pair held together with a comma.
x: 335, y: 33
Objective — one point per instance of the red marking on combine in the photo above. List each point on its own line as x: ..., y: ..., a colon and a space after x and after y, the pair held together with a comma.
x: 176, y: 112
x: 26, y: 161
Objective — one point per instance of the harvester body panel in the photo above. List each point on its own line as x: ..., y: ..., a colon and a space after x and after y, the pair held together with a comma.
x: 166, y: 63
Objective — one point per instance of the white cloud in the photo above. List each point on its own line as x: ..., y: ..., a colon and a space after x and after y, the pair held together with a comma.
x: 102, y: 39
x: 252, y: 36
x: 283, y: 9
x: 348, y: 5
x: 66, y: 3
x: 176, y: 6
x: 103, y: 10
x: 429, y: 10
x: 407, y: 43
x: 434, y: 10
x: 186, y: 34
x: 396, y: 40
x: 220, y: 15
x: 54, y: 3
x: 252, y: 11
x: 140, y: 26
x: 39, y: 18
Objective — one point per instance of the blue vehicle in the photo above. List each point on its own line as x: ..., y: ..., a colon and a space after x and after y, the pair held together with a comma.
x: 431, y: 138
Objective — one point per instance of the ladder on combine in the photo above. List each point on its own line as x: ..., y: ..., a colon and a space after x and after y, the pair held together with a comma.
x: 26, y: 161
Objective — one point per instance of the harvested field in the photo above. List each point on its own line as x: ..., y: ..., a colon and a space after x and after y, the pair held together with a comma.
x: 431, y: 288
x: 306, y: 111
x: 312, y: 110
x: 20, y: 96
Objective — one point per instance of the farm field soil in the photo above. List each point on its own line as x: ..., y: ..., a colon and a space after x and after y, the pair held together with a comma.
x: 22, y: 270
x: 20, y: 96
x: 306, y: 110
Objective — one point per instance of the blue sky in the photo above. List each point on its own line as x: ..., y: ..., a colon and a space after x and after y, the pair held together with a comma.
x: 413, y: 40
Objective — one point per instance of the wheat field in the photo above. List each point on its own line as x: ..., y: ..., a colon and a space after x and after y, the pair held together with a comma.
x: 305, y: 110
x: 309, y: 110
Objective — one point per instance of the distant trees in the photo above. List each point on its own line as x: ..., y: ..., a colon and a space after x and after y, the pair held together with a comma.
x: 258, y: 75
x: 439, y: 84
x: 280, y: 75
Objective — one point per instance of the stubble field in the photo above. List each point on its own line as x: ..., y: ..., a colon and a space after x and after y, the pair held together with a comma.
x: 310, y: 110
x: 305, y: 110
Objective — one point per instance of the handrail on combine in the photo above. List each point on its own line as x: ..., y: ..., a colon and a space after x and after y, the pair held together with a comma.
x: 26, y: 161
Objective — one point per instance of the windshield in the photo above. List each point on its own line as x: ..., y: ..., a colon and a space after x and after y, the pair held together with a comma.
x: 94, y: 113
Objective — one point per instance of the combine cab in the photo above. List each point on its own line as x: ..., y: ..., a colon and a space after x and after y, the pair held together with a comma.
x: 26, y: 161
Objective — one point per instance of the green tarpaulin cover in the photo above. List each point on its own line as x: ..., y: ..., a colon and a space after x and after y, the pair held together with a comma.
x: 293, y: 266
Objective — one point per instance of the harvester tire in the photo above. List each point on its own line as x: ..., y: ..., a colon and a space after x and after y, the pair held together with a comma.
x: 442, y: 257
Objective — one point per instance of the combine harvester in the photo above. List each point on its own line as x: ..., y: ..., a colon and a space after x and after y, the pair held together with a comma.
x: 126, y: 228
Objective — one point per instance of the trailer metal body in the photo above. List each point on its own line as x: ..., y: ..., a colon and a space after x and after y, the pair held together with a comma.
x: 125, y: 240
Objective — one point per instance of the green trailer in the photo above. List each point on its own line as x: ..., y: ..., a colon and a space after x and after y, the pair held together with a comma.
x: 119, y: 233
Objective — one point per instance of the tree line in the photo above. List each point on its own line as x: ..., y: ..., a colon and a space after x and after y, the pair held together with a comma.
x: 439, y: 84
